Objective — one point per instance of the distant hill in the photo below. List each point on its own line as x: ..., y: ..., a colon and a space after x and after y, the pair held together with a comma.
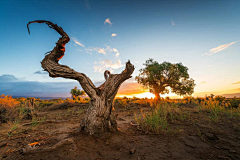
x: 231, y: 95
x: 43, y: 98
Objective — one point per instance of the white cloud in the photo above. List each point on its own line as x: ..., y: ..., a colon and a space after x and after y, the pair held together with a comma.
x: 77, y: 42
x: 105, y: 50
x: 114, y: 35
x: 173, y: 23
x: 107, y: 65
x: 91, y: 49
x: 108, y: 48
x: 218, y: 48
x: 101, y: 50
x: 116, y: 51
x: 108, y: 21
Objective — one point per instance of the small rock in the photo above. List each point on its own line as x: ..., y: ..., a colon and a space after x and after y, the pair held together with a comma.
x: 190, y: 144
x: 132, y: 151
x: 232, y: 151
x: 139, y: 128
x: 107, y: 143
x: 216, y: 146
x: 211, y: 136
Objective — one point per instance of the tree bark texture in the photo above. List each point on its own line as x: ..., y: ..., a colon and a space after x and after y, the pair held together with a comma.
x: 100, y: 115
x: 157, y: 96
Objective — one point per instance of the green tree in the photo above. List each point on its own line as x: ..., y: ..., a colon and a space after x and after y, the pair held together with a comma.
x: 159, y: 78
x: 76, y: 92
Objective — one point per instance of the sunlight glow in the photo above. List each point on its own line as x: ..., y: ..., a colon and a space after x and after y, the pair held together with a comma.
x: 140, y: 95
x: 149, y: 95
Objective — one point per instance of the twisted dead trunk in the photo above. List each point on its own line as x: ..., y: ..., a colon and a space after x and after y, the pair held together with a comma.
x: 100, y: 115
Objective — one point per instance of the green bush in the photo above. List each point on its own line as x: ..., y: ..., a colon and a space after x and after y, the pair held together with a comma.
x: 235, y: 102
x: 154, y: 121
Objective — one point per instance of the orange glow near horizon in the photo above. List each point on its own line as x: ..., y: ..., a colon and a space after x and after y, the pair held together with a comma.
x: 140, y: 95
x: 133, y: 89
x: 147, y: 95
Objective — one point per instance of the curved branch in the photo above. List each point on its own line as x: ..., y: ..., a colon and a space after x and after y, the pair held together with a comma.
x: 51, y: 65
x: 106, y: 74
x: 115, y: 80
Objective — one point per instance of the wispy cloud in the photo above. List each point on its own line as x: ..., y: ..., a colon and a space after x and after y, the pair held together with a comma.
x: 108, y: 48
x: 218, y: 49
x: 107, y: 65
x: 80, y: 50
x: 108, y: 21
x: 40, y: 72
x: 114, y: 35
x: 91, y: 49
x: 77, y: 42
x: 101, y: 50
x: 203, y: 82
x: 173, y: 23
x: 236, y: 82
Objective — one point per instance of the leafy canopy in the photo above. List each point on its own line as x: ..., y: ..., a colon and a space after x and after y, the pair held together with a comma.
x: 76, y: 92
x: 159, y: 78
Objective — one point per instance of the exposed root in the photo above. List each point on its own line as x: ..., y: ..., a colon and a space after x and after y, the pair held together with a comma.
x: 31, y: 150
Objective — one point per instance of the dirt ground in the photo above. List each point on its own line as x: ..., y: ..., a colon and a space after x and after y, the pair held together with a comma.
x: 56, y: 138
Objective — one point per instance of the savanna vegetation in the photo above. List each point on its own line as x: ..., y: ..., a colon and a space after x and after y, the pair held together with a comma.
x: 105, y: 127
x: 198, y: 128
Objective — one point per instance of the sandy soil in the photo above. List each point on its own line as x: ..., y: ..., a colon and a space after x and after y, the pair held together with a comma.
x: 193, y: 138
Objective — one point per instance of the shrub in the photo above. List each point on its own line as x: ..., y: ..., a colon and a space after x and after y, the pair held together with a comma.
x: 235, y: 102
x: 120, y: 102
x: 8, y: 108
x: 155, y: 121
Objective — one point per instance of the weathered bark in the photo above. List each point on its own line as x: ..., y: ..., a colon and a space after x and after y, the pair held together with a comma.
x: 100, y: 115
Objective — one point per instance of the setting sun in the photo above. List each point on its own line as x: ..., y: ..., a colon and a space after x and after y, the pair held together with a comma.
x: 140, y: 95
x: 148, y: 95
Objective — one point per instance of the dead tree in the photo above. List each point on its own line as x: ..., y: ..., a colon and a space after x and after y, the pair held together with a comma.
x: 100, y: 115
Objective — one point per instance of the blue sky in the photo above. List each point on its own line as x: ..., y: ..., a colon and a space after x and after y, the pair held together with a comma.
x: 203, y: 35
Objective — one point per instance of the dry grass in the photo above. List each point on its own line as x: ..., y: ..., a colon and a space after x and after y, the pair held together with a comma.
x: 156, y: 121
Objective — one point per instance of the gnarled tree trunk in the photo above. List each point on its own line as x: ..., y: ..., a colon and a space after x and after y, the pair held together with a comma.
x: 100, y: 115
x: 157, y: 96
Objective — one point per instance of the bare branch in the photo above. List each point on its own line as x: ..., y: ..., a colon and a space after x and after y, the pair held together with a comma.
x: 51, y: 65
x: 116, y: 80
